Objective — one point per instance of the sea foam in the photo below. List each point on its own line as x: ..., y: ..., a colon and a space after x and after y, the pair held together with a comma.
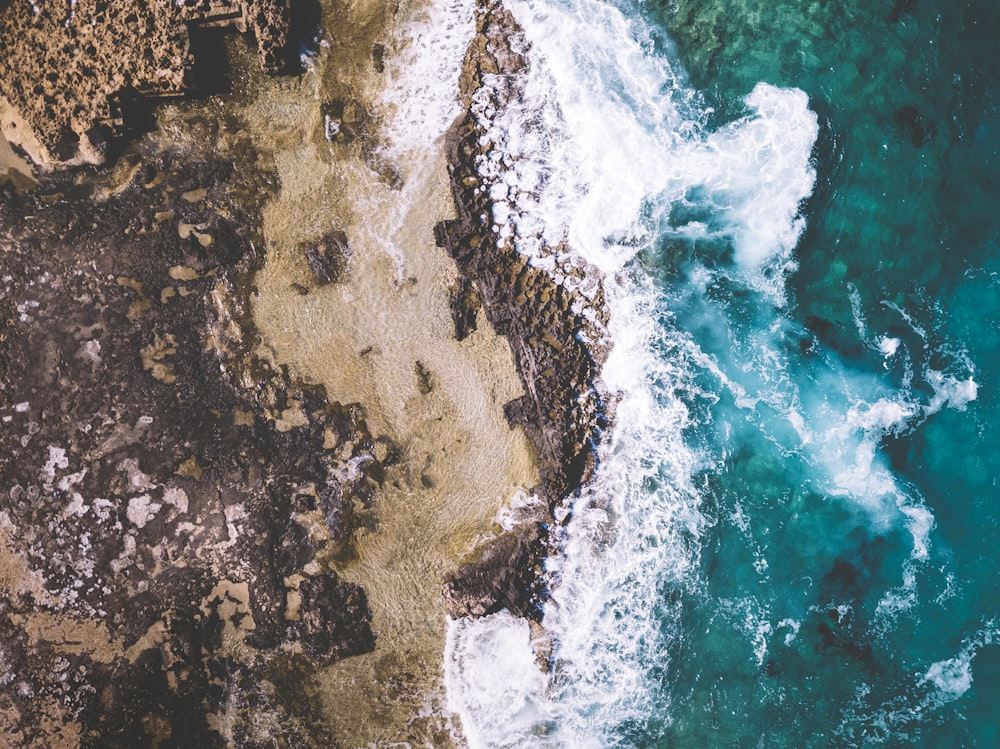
x: 605, y: 135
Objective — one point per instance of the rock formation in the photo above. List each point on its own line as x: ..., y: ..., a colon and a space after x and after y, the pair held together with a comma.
x: 170, y: 503
x: 68, y: 69
x: 566, y: 408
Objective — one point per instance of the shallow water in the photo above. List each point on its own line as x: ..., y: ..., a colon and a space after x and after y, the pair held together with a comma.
x: 790, y: 541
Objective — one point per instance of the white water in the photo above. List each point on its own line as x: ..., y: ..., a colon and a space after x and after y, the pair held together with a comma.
x: 421, y: 96
x: 602, y: 151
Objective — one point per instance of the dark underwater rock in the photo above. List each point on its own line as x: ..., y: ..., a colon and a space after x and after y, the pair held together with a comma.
x: 328, y: 257
x: 914, y: 125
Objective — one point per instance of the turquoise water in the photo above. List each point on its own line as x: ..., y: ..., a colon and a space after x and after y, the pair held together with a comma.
x: 901, y: 243
x: 791, y: 539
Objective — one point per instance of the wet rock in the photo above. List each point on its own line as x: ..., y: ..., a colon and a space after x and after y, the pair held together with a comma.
x: 465, y: 305
x: 343, y: 120
x: 334, y: 619
x: 568, y: 407
x: 425, y: 381
x: 914, y: 125
x: 328, y: 257
x: 557, y: 349
x: 378, y: 58
x: 505, y: 574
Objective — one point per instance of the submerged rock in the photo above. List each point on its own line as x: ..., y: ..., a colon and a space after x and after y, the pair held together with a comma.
x: 328, y: 257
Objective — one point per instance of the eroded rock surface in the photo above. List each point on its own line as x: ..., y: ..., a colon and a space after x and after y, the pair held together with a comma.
x: 170, y: 503
x: 68, y: 69
x: 566, y: 408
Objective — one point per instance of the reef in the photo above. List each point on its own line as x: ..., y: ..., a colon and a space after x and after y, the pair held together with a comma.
x: 558, y: 350
x: 171, y: 502
x: 70, y: 71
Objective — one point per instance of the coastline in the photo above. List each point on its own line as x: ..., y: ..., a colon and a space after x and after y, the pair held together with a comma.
x: 382, y: 336
x: 374, y: 279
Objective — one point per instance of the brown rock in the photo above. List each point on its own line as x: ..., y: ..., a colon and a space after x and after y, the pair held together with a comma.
x: 68, y: 70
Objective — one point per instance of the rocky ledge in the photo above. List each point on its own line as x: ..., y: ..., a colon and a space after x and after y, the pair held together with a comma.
x: 171, y: 504
x: 558, y: 350
x: 69, y: 70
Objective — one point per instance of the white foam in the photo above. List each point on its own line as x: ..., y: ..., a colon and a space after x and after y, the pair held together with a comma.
x: 757, y: 171
x: 950, y: 391
x: 952, y: 677
x: 494, y: 683
x: 600, y: 129
x: 793, y: 627
x: 888, y: 346
x: 421, y: 91
x: 942, y: 682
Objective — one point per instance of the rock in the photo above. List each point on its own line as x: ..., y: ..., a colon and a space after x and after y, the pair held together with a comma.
x: 156, y: 472
x: 328, y: 258
x: 425, y: 381
x: 557, y: 351
x: 343, y: 120
x: 70, y: 70
x: 335, y: 618
x: 378, y: 58
x: 912, y: 123
x: 504, y: 574
x: 568, y: 408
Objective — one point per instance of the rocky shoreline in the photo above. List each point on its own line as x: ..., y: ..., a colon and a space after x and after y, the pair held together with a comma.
x: 565, y: 409
x: 176, y: 505
x: 171, y: 502
x: 71, y: 71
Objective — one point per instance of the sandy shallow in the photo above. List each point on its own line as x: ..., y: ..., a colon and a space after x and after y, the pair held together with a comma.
x: 362, y: 338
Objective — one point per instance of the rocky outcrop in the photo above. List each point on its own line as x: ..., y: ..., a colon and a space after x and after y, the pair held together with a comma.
x: 68, y: 70
x: 565, y: 408
x: 171, y: 504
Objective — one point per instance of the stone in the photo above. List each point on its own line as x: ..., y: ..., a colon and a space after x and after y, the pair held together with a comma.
x: 70, y: 71
x: 328, y: 257
x: 558, y: 352
x: 148, y: 524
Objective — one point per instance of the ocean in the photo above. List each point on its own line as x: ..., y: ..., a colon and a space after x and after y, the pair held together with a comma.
x: 791, y: 536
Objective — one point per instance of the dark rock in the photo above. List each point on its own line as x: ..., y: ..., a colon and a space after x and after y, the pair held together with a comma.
x: 504, y: 575
x: 153, y: 475
x: 343, y: 120
x: 565, y: 409
x: 465, y: 305
x: 425, y: 382
x: 913, y: 124
x: 328, y: 257
x: 378, y: 58
x: 901, y: 8
x: 334, y: 619
x: 560, y: 372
